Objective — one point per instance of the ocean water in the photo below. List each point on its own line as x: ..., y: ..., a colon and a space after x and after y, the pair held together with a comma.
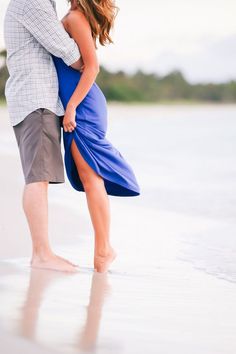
x: 185, y: 158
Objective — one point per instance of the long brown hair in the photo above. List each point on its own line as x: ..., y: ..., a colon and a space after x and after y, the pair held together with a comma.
x: 101, y: 15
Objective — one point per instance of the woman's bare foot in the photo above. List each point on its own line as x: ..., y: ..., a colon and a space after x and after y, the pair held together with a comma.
x: 102, y: 260
x: 53, y: 262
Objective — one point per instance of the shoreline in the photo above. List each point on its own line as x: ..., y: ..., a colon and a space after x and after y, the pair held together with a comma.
x: 159, y: 103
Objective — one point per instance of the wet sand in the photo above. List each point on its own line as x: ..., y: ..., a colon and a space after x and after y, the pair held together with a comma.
x: 152, y: 300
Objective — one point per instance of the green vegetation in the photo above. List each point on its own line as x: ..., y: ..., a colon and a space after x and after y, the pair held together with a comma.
x: 3, y: 75
x: 173, y: 87
x: 141, y: 87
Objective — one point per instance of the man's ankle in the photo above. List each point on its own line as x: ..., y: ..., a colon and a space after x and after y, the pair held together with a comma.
x: 42, y: 252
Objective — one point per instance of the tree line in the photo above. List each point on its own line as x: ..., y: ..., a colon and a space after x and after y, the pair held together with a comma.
x: 142, y: 87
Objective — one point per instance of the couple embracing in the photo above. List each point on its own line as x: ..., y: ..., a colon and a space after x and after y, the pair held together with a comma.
x: 52, y: 68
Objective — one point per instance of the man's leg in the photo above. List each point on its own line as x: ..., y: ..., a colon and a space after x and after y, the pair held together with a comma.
x: 35, y: 204
x: 38, y: 138
x: 36, y: 210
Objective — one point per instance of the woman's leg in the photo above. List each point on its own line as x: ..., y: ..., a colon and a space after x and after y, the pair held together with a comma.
x: 99, y: 209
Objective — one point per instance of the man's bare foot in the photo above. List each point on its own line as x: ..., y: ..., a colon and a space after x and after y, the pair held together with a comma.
x: 66, y: 260
x: 53, y: 262
x: 103, y: 260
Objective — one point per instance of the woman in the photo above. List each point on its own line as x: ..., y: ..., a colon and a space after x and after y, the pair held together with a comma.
x: 93, y: 165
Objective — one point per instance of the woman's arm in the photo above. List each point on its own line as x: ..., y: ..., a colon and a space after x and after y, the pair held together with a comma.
x: 78, y: 27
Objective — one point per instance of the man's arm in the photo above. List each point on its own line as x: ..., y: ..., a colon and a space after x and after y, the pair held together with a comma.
x: 44, y: 25
x: 78, y: 65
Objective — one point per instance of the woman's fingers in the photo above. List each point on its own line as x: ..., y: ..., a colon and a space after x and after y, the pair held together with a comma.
x: 72, y: 125
x: 69, y: 127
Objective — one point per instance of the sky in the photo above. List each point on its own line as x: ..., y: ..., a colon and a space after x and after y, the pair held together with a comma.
x: 197, y: 37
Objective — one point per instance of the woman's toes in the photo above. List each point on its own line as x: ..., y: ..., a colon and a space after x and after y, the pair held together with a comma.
x: 102, y: 262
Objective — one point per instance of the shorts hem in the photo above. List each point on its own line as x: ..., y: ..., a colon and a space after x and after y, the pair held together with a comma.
x: 44, y: 179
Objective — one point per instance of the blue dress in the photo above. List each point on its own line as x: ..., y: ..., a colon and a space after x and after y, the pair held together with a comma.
x: 90, y: 138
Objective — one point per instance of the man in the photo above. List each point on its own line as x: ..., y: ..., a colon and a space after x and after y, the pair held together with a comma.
x: 32, y: 31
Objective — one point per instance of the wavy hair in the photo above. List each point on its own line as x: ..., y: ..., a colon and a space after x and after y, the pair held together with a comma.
x: 101, y: 15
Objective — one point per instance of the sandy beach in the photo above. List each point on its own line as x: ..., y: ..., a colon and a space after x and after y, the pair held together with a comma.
x: 172, y: 288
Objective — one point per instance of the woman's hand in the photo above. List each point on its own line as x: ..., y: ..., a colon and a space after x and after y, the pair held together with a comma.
x: 69, y: 123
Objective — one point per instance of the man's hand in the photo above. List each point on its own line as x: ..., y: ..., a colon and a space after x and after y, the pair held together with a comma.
x: 69, y: 123
x: 78, y: 65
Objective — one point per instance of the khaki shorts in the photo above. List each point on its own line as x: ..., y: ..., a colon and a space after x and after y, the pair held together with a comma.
x: 39, y: 140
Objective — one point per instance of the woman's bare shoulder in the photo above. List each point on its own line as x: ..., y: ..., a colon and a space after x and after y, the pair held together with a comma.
x: 73, y: 17
x: 78, y: 27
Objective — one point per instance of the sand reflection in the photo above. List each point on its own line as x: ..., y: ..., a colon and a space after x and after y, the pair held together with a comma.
x: 39, y: 283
